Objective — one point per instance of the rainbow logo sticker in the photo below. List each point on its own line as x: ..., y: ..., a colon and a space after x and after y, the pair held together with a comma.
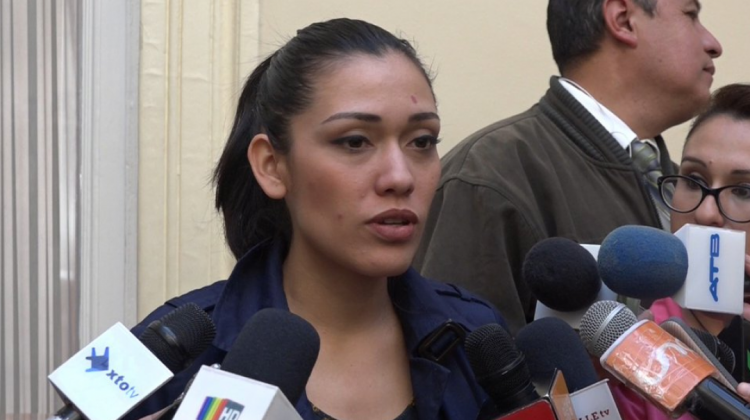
x: 219, y: 409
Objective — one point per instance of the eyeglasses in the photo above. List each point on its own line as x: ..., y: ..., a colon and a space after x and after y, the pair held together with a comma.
x: 684, y: 194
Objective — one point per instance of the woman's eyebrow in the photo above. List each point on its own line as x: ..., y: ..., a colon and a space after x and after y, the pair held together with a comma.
x: 423, y: 116
x: 353, y: 115
x: 363, y: 116
x: 693, y: 160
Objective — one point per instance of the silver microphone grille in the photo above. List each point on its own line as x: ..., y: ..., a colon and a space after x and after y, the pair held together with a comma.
x: 603, y: 324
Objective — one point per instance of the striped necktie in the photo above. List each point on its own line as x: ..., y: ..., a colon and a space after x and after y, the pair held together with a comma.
x: 645, y: 160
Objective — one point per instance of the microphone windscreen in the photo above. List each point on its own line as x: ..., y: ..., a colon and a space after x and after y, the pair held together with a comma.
x: 561, y: 274
x: 549, y: 344
x: 180, y: 336
x: 276, y: 347
x: 643, y: 262
x: 497, y: 364
x: 603, y: 324
x: 718, y: 349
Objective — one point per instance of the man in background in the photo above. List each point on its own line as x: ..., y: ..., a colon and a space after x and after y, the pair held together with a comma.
x: 573, y: 165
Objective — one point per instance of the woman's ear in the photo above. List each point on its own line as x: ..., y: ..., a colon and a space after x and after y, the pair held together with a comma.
x: 269, y: 166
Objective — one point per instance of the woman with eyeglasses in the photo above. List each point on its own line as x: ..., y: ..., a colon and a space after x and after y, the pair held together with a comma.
x: 711, y: 189
x: 713, y: 184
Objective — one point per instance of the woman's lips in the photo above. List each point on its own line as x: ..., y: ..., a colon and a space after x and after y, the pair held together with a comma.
x: 395, y: 225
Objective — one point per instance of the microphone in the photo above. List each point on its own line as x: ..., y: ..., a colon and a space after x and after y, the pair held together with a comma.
x: 705, y: 345
x: 715, y: 280
x: 719, y: 349
x: 642, y: 262
x: 263, y: 374
x: 736, y: 336
x: 502, y: 372
x: 563, y: 276
x: 116, y: 371
x: 180, y: 336
x: 551, y: 344
x: 656, y: 365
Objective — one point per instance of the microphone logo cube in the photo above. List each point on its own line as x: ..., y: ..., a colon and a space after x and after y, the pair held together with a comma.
x: 109, y: 376
x: 240, y: 398
x: 220, y: 409
x: 715, y: 279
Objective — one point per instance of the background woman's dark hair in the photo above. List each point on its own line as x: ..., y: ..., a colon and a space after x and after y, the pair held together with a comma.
x: 278, y: 89
x: 731, y: 100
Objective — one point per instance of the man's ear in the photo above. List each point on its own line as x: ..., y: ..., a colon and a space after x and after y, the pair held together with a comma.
x: 618, y: 21
x: 269, y: 166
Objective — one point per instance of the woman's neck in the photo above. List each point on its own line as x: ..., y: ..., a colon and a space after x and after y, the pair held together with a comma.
x: 712, y: 323
x: 360, y: 337
x: 333, y: 298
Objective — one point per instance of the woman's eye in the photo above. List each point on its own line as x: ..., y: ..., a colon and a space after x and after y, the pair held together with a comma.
x: 426, y: 141
x: 695, y: 182
x: 742, y: 193
x: 351, y: 142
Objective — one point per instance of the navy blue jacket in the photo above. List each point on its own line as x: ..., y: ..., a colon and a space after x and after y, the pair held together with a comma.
x: 444, y: 389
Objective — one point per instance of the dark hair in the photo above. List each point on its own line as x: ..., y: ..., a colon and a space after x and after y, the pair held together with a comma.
x: 576, y: 27
x: 731, y: 100
x: 278, y: 89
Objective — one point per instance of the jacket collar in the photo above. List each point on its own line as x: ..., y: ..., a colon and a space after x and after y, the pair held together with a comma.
x: 256, y: 283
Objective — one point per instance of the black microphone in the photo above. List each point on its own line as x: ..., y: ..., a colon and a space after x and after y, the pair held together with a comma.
x: 656, y: 365
x: 275, y: 347
x: 500, y: 368
x: 180, y: 336
x: 550, y: 344
x: 502, y: 371
x: 719, y: 349
x: 175, y: 339
x: 561, y: 274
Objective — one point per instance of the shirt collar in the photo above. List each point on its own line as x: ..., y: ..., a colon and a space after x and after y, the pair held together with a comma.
x: 611, y: 122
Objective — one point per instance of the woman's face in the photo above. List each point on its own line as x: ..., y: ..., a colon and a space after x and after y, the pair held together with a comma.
x: 363, y: 166
x: 717, y: 154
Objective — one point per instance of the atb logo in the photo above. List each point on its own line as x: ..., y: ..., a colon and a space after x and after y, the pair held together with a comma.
x: 713, y: 275
x: 100, y: 363
x: 219, y: 409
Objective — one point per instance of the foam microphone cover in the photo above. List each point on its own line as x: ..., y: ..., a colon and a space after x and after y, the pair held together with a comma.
x: 643, y: 262
x: 276, y: 347
x: 180, y: 336
x: 499, y: 367
x: 561, y: 274
x: 549, y: 344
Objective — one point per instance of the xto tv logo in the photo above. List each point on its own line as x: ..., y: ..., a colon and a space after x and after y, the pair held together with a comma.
x: 100, y: 363
x: 219, y: 409
x: 713, y: 275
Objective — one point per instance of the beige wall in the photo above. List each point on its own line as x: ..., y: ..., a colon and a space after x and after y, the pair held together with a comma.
x: 491, y: 57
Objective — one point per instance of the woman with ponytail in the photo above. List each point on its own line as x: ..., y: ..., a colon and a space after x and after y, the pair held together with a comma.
x: 324, y: 186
